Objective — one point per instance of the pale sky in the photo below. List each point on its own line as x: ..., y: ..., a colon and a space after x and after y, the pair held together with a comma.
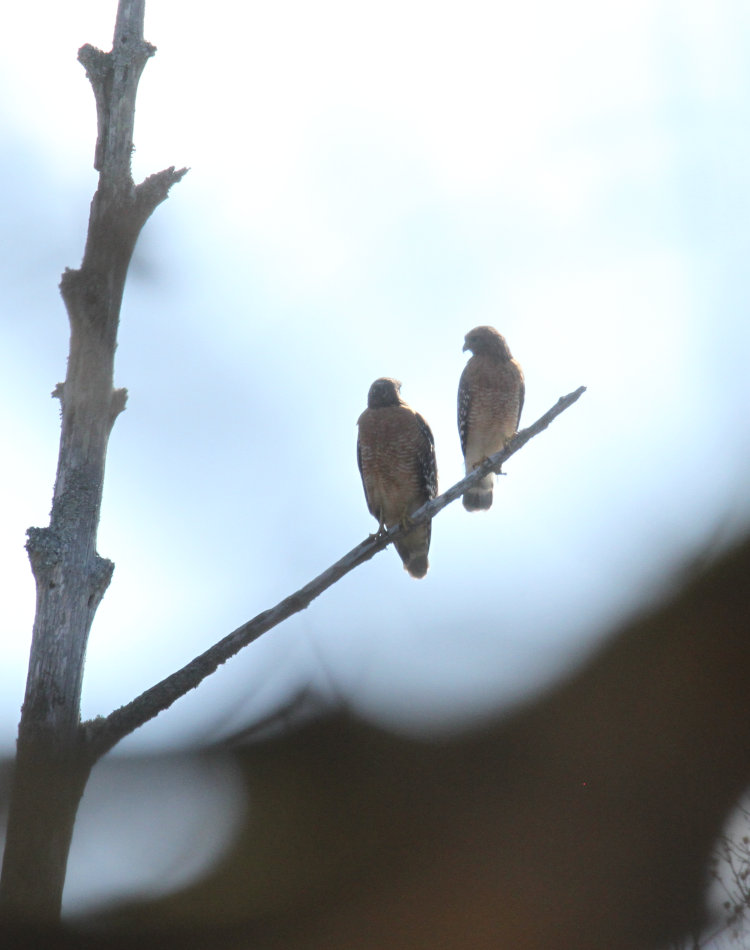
x: 367, y: 183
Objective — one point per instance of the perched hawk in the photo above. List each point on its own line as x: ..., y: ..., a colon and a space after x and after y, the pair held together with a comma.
x: 490, y: 399
x: 396, y: 458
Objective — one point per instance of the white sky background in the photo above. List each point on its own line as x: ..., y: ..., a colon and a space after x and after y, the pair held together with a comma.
x: 367, y: 183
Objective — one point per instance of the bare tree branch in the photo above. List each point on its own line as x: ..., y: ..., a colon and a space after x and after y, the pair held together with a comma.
x: 71, y: 577
x: 102, y: 734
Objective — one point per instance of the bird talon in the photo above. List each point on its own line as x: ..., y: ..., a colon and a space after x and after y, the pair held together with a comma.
x: 381, y: 532
x: 406, y: 522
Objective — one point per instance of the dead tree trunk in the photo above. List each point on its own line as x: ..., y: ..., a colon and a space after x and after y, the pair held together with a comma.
x: 71, y: 578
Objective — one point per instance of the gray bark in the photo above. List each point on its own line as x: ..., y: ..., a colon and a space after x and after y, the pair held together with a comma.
x: 71, y: 578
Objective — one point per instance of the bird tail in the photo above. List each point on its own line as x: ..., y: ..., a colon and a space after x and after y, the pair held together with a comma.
x: 479, y: 498
x: 413, y: 547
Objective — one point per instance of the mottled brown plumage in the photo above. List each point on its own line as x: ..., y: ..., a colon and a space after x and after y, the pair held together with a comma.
x: 396, y: 458
x: 490, y: 399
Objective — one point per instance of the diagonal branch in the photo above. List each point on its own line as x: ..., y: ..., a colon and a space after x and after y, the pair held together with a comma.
x: 103, y: 733
x: 492, y: 464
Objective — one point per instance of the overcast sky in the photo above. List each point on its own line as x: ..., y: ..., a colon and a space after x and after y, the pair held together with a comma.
x: 367, y: 183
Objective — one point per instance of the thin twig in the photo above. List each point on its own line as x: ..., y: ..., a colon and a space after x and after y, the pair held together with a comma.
x: 102, y: 734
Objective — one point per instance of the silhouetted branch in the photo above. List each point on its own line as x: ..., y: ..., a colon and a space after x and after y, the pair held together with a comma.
x: 102, y: 734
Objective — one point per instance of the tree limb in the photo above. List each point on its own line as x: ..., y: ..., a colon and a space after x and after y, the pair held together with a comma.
x: 71, y: 578
x: 103, y: 733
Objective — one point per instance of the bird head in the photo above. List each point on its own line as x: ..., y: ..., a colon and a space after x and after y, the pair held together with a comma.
x: 384, y: 392
x: 486, y: 340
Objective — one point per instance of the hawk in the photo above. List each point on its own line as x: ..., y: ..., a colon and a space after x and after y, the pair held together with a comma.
x: 490, y: 399
x: 396, y: 458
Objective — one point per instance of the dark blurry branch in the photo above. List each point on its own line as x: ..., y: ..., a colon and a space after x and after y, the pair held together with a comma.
x: 102, y: 734
x: 582, y: 819
x: 730, y: 871
x: 71, y: 578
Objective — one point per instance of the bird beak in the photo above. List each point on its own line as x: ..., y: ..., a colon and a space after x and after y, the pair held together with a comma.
x: 465, y: 347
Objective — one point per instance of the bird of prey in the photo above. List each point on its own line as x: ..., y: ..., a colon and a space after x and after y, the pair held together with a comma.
x: 490, y: 399
x: 396, y: 458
